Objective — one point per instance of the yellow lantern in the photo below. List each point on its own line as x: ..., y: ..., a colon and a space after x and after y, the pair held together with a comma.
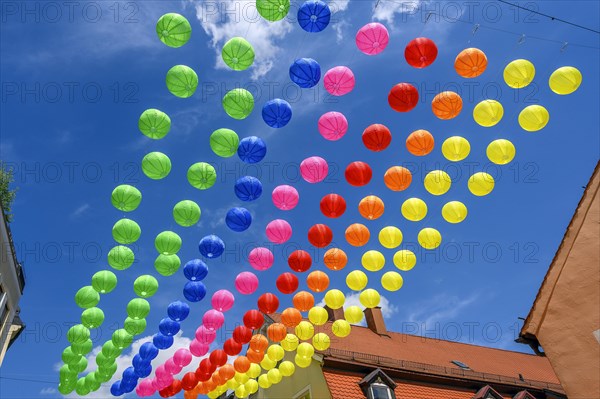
x: 501, y: 151
x: 488, y: 113
x: 321, y: 341
x: 369, y: 298
x: 429, y: 238
x: 456, y: 148
x: 287, y: 368
x: 519, y: 73
x: 534, y: 118
x: 390, y: 237
x: 275, y: 352
x: 454, y: 212
x: 392, y: 281
x: 353, y: 314
x: 341, y: 328
x: 304, y: 330
x: 263, y: 382
x: 335, y: 299
x: 290, y: 343
x: 254, y: 370
x: 274, y: 376
x: 565, y: 80
x: 318, y: 315
x: 373, y: 260
x: 437, y: 182
x: 405, y: 259
x: 481, y: 184
x: 414, y: 209
x: 356, y: 280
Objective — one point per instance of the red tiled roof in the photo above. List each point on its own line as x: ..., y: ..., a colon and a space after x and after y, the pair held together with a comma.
x: 345, y: 386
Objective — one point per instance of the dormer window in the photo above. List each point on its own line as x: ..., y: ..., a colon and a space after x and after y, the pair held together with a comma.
x: 380, y: 391
x: 378, y: 385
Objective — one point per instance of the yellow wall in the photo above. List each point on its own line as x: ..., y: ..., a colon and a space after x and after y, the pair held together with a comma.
x: 290, y: 386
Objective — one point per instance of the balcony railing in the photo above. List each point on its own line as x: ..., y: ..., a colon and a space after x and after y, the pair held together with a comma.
x: 19, y: 271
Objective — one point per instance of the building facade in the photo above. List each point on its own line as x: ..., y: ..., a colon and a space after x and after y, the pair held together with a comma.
x: 12, y: 283
x: 564, y: 322
x: 374, y: 363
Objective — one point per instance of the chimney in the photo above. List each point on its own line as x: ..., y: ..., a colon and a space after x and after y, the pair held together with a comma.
x: 334, y: 314
x: 375, y: 320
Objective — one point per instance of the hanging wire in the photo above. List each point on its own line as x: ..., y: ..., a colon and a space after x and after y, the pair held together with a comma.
x: 550, y: 17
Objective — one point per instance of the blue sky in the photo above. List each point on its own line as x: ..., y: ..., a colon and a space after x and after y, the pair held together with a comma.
x: 74, y: 82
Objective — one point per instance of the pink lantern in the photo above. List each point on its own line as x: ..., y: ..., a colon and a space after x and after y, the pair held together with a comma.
x: 145, y: 388
x: 333, y: 125
x: 171, y: 367
x: 372, y: 38
x: 314, y: 169
x: 339, y: 81
x: 285, y: 197
x: 246, y: 283
x: 155, y: 384
x: 222, y: 300
x: 204, y: 335
x: 261, y: 258
x: 162, y: 384
x: 160, y: 372
x: 198, y: 349
x: 182, y: 357
x: 213, y: 319
x: 279, y: 231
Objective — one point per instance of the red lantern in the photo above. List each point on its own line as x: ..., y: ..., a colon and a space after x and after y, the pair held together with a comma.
x: 287, y: 283
x: 420, y: 52
x: 320, y: 235
x: 206, y: 366
x: 218, y: 357
x: 231, y: 347
x: 189, y: 381
x: 377, y: 137
x: 268, y: 303
x: 333, y: 205
x: 403, y: 97
x: 299, y: 261
x: 253, y: 319
x: 242, y: 334
x: 358, y: 173
x: 166, y: 392
x: 202, y: 375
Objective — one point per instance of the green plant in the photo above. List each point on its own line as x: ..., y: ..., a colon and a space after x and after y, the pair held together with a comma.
x: 7, y: 196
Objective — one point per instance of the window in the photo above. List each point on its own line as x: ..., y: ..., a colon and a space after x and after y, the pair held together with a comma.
x: 380, y: 391
x: 304, y: 394
x: 461, y: 365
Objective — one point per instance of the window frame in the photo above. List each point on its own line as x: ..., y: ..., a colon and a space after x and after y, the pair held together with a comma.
x: 306, y: 390
x: 390, y: 391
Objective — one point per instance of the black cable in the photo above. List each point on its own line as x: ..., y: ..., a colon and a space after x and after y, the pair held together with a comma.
x: 550, y: 16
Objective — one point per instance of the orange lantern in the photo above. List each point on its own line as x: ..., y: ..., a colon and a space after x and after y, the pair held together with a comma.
x: 371, y: 207
x: 241, y: 364
x: 255, y: 356
x: 203, y: 388
x: 447, y: 105
x: 303, y: 301
x: 317, y: 281
x: 357, y: 235
x: 290, y: 317
x: 259, y: 343
x: 276, y: 332
x: 335, y: 259
x: 420, y: 143
x: 190, y: 395
x: 470, y: 63
x: 218, y: 379
x: 397, y: 178
x: 227, y: 372
x: 210, y: 384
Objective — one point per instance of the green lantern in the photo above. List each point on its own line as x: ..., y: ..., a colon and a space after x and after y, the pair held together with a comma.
x: 110, y: 350
x: 121, y: 338
x: 69, y: 357
x: 135, y: 327
x: 87, y: 297
x: 91, y: 383
x: 202, y: 175
x: 126, y: 231
x: 102, y: 378
x: 78, y: 334
x: 156, y: 165
x: 102, y: 360
x: 145, y: 286
x: 126, y: 198
x: 66, y: 374
x: 81, y: 388
x: 238, y: 103
x: 65, y: 389
x: 238, y: 54
x: 167, y: 243
x: 92, y: 317
x: 182, y: 81
x: 80, y: 366
x: 138, y: 308
x: 82, y: 348
x: 167, y: 265
x: 224, y: 142
x: 120, y: 257
x: 273, y: 10
x: 154, y: 123
x: 173, y: 29
x: 107, y: 371
x: 104, y: 281
x: 186, y: 213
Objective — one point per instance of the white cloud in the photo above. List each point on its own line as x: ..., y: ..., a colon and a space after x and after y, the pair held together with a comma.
x: 439, y: 308
x: 386, y: 9
x: 230, y: 18
x: 80, y: 211
x: 48, y: 391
